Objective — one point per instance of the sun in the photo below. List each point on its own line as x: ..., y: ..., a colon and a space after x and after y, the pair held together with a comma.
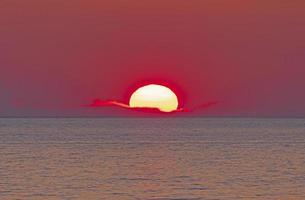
x: 154, y: 96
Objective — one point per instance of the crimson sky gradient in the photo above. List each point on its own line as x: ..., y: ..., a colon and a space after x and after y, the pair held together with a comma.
x: 56, y: 56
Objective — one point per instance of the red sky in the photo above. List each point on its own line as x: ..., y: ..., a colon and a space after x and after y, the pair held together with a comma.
x: 56, y: 56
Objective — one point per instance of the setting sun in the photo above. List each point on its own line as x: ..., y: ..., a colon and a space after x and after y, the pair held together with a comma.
x: 154, y: 96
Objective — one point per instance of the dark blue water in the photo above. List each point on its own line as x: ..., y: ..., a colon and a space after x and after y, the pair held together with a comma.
x: 152, y: 158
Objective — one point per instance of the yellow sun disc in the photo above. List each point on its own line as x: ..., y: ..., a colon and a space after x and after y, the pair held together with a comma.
x: 154, y: 96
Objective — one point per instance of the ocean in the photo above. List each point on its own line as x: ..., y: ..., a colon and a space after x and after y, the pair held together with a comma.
x: 152, y: 158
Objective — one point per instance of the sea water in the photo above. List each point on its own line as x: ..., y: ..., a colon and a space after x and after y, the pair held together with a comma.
x: 152, y: 158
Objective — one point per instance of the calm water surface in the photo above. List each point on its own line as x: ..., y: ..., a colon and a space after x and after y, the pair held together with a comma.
x: 152, y: 159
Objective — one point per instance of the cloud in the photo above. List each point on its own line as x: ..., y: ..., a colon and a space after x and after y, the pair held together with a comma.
x: 97, y: 103
x: 103, y: 103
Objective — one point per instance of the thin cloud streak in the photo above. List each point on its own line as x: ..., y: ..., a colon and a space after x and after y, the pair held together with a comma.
x: 97, y: 103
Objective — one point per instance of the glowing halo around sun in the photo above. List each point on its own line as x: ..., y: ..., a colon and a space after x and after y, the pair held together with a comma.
x: 154, y: 96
